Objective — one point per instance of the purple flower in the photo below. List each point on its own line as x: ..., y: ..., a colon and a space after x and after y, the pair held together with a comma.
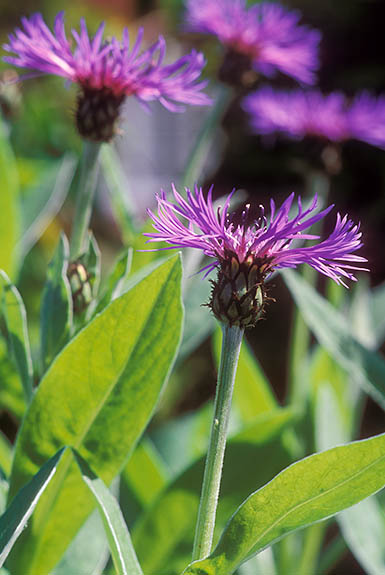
x: 268, y: 242
x: 267, y: 33
x: 108, y: 70
x: 332, y: 117
x: 110, y: 65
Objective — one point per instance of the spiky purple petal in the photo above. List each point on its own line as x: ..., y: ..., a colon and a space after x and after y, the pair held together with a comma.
x: 98, y: 65
x: 194, y: 223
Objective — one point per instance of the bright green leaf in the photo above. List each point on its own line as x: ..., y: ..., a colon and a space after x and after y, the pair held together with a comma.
x: 56, y: 307
x: 335, y: 334
x: 122, y: 551
x: 9, y: 211
x: 16, y: 320
x: 97, y: 396
x: 308, y: 491
x: 12, y: 397
x: 16, y: 516
x: 163, y: 537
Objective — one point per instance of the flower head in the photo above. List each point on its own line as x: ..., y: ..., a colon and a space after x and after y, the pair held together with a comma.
x: 106, y: 72
x: 267, y: 34
x: 246, y: 253
x: 331, y: 117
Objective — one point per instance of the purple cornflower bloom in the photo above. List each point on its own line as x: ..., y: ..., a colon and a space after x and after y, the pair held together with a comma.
x: 108, y: 70
x: 246, y: 253
x: 331, y: 117
x: 267, y: 240
x: 266, y: 33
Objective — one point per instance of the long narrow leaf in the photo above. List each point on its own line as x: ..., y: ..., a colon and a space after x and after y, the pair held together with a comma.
x: 122, y: 551
x: 16, y: 516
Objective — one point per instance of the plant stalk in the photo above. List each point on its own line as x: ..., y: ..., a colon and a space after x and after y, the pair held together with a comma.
x: 231, y: 345
x: 85, y: 197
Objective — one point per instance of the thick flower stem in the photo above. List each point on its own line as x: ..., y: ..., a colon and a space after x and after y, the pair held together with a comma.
x: 231, y: 345
x: 85, y: 197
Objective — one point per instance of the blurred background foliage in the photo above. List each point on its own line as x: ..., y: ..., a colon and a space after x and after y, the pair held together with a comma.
x: 38, y: 116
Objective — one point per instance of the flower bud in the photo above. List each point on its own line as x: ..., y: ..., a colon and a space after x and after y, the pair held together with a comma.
x: 239, y: 294
x: 80, y: 286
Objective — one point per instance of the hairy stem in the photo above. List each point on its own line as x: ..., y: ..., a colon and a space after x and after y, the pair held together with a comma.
x: 231, y: 345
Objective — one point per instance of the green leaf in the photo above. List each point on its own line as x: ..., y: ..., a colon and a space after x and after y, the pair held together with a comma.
x: 363, y: 525
x: 16, y: 320
x: 163, y: 537
x: 308, y: 491
x: 97, y: 396
x: 142, y: 479
x: 252, y: 392
x: 16, y: 516
x: 377, y: 306
x: 122, y: 551
x: 9, y: 209
x: 44, y: 200
x: 88, y: 552
x: 5, y: 454
x: 12, y: 397
x: 56, y: 307
x: 334, y: 333
x: 116, y: 280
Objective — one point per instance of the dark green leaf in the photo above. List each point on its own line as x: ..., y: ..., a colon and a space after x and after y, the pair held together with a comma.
x: 21, y: 508
x: 56, y: 307
x: 16, y: 320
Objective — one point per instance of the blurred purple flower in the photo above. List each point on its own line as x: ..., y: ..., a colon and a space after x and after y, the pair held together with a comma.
x: 98, y: 65
x: 266, y: 242
x: 332, y: 117
x: 267, y: 33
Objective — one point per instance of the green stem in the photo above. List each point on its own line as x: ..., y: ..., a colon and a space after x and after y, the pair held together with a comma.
x: 85, y: 197
x: 197, y: 158
x: 313, y: 538
x: 231, y: 345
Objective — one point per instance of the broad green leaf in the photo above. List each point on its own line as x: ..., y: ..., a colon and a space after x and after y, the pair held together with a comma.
x: 97, y: 396
x: 12, y: 396
x: 363, y: 525
x: 56, y: 307
x: 44, y: 200
x: 335, y: 334
x: 116, y: 279
x: 122, y: 551
x: 163, y: 537
x: 142, y: 479
x: 16, y: 320
x: 308, y: 491
x: 16, y: 516
x: 5, y: 454
x: 9, y: 211
x: 252, y: 392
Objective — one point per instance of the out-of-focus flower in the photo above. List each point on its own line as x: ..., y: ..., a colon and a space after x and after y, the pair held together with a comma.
x: 246, y: 253
x: 106, y: 72
x: 264, y: 38
x: 333, y: 117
